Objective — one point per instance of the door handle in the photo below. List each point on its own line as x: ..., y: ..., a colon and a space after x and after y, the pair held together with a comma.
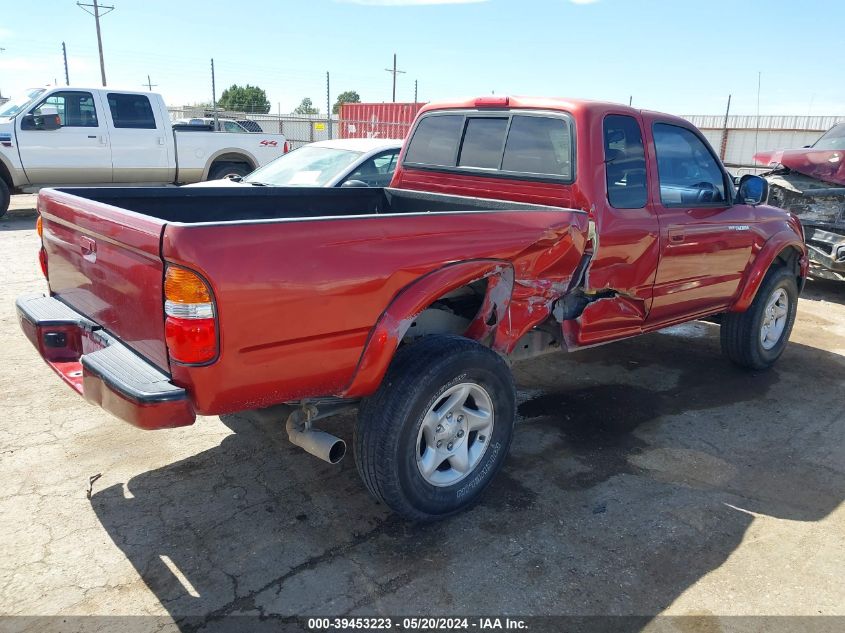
x: 676, y: 235
x: 87, y: 245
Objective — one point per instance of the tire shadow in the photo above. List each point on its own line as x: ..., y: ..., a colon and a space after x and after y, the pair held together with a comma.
x: 634, y: 472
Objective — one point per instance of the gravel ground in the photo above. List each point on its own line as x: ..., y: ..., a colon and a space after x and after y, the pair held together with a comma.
x: 647, y: 477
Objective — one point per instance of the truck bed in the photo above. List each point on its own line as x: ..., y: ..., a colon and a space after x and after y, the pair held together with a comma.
x: 204, y: 205
x: 300, y: 277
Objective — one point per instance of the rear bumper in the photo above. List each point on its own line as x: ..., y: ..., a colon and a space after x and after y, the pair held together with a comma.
x: 101, y: 368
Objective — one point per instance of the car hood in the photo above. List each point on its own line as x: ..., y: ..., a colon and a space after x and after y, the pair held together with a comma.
x: 827, y: 165
x: 223, y: 182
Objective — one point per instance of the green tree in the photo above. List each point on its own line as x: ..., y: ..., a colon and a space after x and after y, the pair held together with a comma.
x: 350, y: 96
x: 244, y: 99
x: 306, y: 107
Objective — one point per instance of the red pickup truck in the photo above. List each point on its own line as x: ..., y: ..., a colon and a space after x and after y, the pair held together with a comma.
x: 513, y: 227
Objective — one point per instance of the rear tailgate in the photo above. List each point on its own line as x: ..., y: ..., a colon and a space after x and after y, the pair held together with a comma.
x: 105, y: 262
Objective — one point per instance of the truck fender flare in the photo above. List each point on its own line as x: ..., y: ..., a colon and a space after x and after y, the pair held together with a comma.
x: 385, y: 336
x: 753, y: 277
x: 7, y: 172
x: 247, y: 156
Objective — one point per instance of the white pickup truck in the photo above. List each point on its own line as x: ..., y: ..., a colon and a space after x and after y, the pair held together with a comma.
x: 97, y: 136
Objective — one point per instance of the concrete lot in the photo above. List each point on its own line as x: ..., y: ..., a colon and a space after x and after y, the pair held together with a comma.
x: 647, y: 477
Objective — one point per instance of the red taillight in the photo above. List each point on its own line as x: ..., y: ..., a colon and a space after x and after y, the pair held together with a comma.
x: 42, y: 259
x: 191, y: 340
x: 42, y: 254
x: 190, y: 329
x: 285, y: 148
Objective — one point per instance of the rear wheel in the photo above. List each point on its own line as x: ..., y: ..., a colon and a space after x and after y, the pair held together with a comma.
x: 437, y: 431
x: 5, y: 197
x: 757, y: 337
x: 224, y: 170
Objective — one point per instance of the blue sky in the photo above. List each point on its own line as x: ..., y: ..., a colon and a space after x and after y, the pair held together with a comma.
x: 683, y: 57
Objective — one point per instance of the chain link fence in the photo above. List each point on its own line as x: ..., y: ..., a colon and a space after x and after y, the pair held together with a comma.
x: 298, y: 129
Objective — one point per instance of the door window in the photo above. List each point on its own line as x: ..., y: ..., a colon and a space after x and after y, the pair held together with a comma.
x: 688, y: 172
x: 75, y: 109
x: 624, y: 159
x: 131, y: 111
x: 377, y: 171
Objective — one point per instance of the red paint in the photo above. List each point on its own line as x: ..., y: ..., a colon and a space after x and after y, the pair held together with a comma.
x: 827, y: 165
x: 377, y: 120
x: 301, y: 329
x: 163, y: 415
x: 119, y: 285
x: 314, y: 308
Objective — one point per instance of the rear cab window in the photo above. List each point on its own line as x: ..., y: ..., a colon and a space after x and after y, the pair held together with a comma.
x: 131, y: 111
x: 624, y: 160
x: 515, y: 144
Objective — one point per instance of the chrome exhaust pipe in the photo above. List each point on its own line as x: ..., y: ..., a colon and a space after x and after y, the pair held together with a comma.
x: 324, y: 445
x: 320, y: 444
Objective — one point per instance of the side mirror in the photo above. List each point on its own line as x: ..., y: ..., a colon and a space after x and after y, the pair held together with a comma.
x: 753, y: 190
x: 354, y: 183
x: 41, y: 122
x: 50, y: 122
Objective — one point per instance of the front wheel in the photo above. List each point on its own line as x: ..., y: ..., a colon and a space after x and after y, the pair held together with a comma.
x: 756, y: 338
x: 437, y: 431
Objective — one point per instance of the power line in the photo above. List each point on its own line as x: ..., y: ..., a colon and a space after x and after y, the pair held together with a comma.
x: 96, y: 13
x: 395, y: 72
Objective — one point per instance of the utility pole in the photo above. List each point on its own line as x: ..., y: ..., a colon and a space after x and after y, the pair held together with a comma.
x: 150, y: 85
x: 757, y: 130
x: 415, y: 92
x: 328, y: 105
x: 64, y: 54
x: 630, y: 100
x: 395, y: 72
x: 96, y: 13
x: 213, y: 94
x: 724, y: 144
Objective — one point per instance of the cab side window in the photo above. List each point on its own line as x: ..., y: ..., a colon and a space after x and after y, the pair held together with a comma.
x: 75, y: 109
x: 131, y: 111
x: 688, y: 172
x: 624, y: 158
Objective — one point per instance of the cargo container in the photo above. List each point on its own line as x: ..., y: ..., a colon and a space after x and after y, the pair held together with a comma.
x: 377, y: 120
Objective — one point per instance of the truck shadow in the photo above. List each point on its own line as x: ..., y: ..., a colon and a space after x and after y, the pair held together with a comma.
x: 636, y: 470
x: 18, y: 222
x: 824, y: 290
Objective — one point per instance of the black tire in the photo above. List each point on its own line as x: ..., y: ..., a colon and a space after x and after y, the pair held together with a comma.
x: 741, y: 331
x: 5, y: 197
x: 389, y: 422
x: 222, y: 170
